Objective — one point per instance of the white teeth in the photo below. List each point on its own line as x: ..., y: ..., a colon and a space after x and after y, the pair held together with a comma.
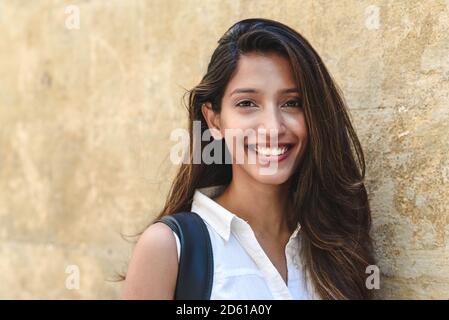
x: 270, y: 151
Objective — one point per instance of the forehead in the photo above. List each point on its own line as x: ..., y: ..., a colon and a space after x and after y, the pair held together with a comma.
x: 262, y: 71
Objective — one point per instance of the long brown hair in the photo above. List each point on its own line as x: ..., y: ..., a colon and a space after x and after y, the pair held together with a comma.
x: 327, y: 190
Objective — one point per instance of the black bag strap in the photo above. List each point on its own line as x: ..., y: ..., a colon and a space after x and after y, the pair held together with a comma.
x: 196, y: 266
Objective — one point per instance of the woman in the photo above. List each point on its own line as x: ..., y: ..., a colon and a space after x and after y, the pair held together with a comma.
x: 298, y: 232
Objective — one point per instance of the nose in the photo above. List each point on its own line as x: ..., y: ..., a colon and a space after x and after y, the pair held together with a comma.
x: 271, y: 124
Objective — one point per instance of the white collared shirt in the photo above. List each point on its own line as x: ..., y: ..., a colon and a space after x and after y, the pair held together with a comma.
x: 242, y: 270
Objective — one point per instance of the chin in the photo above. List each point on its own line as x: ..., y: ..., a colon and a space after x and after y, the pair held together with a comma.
x: 277, y: 178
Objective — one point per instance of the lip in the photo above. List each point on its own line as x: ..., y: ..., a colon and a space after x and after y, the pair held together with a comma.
x: 267, y: 145
x: 266, y: 159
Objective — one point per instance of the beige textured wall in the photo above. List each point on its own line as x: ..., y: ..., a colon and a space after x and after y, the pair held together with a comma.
x: 85, y: 118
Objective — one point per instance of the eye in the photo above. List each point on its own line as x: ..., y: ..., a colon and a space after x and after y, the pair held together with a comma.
x: 293, y: 103
x: 245, y: 104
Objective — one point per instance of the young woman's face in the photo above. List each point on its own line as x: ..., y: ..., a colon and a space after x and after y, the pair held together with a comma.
x: 262, y: 98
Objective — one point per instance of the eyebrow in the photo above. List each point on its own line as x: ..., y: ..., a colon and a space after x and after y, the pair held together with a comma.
x: 251, y: 90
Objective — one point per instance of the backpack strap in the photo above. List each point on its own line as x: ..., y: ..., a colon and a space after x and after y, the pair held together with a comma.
x: 196, y: 266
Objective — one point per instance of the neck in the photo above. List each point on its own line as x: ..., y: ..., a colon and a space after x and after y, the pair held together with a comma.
x: 263, y: 206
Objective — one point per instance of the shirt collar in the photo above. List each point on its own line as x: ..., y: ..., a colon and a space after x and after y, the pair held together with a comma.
x: 216, y: 215
x: 213, y: 213
x: 295, y: 233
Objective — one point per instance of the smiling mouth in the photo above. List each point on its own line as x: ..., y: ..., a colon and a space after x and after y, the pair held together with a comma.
x: 270, y: 152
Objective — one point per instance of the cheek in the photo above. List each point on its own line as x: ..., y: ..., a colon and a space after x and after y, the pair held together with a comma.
x: 233, y: 119
x: 236, y: 125
x: 298, y: 127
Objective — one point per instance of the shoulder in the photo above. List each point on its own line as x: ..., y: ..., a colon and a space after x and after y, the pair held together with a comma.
x: 153, y: 268
x: 158, y: 236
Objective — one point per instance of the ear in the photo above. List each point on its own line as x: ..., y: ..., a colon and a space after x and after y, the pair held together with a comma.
x: 212, y: 119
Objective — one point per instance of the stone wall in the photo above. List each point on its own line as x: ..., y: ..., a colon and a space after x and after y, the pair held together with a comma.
x: 90, y: 91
